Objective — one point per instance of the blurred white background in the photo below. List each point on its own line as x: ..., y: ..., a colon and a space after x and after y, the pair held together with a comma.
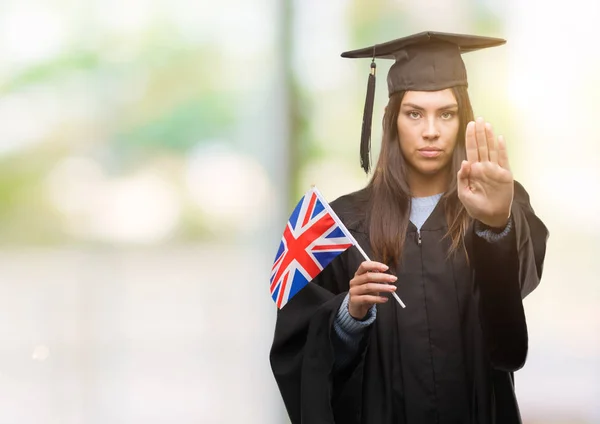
x: 150, y: 152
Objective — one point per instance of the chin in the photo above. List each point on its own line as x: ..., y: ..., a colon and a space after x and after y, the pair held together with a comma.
x: 429, y: 172
x: 430, y: 168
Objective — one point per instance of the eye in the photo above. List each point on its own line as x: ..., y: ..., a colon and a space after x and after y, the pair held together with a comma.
x: 414, y: 114
x: 447, y: 115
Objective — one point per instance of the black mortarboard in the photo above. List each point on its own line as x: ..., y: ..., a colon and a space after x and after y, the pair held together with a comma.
x: 427, y: 61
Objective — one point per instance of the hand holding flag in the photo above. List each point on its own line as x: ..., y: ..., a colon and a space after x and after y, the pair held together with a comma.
x: 313, y: 237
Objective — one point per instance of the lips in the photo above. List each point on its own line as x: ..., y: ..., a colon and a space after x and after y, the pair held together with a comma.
x: 430, y: 152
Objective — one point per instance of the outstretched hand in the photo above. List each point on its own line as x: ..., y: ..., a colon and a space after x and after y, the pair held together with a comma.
x: 485, y: 182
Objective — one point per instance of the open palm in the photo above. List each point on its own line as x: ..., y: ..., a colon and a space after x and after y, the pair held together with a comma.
x: 485, y: 182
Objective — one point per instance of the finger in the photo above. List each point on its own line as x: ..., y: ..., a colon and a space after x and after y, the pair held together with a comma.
x: 369, y: 300
x: 372, y: 288
x: 502, y: 153
x: 491, y: 143
x: 465, y: 169
x: 371, y: 266
x: 463, y: 181
x: 464, y: 172
x: 471, y: 143
x: 482, y: 148
x: 375, y: 277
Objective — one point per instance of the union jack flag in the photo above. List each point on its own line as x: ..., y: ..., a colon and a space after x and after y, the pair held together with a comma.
x: 312, y: 238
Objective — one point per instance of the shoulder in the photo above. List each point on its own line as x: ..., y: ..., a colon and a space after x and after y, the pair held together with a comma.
x: 521, y: 199
x: 352, y: 209
x: 521, y: 194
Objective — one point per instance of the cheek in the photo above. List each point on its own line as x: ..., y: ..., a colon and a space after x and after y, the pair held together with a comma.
x: 453, y: 134
x: 405, y: 143
x: 408, y: 133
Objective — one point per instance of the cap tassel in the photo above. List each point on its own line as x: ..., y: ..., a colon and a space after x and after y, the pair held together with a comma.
x: 365, y: 139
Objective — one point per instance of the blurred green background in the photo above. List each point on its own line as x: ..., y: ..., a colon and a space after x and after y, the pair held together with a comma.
x: 151, y: 151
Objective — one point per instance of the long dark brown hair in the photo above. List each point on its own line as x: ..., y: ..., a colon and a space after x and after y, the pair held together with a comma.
x: 389, y: 207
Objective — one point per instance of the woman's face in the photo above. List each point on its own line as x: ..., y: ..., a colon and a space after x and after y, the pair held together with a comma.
x: 428, y: 126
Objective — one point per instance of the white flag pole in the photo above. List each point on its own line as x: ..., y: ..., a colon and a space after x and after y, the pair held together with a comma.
x: 347, y: 233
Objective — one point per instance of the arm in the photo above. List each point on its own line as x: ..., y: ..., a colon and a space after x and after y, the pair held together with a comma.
x: 506, y: 270
x: 301, y: 355
x: 348, y: 334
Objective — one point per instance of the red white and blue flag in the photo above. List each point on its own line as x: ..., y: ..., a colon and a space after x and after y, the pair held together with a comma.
x: 312, y: 238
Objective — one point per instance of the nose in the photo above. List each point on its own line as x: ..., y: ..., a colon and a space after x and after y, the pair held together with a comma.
x: 431, y: 132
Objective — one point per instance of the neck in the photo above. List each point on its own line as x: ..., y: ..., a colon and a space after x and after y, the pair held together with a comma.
x: 428, y: 185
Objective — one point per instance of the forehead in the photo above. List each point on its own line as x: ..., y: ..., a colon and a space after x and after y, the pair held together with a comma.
x: 430, y: 98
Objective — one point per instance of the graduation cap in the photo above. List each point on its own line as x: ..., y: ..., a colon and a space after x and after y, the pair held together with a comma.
x: 427, y: 61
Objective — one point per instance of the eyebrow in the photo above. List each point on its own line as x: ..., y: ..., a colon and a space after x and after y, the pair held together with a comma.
x: 414, y: 106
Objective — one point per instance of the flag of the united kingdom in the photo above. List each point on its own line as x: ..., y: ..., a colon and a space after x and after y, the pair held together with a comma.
x: 312, y: 238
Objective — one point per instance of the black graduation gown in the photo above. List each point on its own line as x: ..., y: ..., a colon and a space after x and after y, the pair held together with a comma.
x: 448, y: 357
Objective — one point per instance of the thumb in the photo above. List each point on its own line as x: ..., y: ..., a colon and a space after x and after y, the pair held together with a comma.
x: 464, y: 171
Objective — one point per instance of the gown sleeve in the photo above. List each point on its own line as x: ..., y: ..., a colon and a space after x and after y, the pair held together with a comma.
x: 505, y: 272
x: 302, y: 354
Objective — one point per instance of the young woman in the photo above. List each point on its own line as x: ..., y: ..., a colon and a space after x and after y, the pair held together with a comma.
x: 450, y: 232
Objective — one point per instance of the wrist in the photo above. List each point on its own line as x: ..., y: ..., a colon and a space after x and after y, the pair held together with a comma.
x: 496, y: 223
x: 359, y: 313
x: 493, y: 235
